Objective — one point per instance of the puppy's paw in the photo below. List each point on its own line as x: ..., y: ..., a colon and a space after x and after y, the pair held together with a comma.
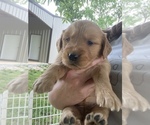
x: 42, y: 85
x: 95, y: 119
x: 134, y: 101
x: 69, y: 120
x: 107, y: 98
x: 19, y: 85
x: 47, y: 80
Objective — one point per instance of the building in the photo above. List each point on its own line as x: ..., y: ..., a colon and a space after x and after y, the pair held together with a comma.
x: 44, y: 30
x: 28, y: 34
x: 13, y: 32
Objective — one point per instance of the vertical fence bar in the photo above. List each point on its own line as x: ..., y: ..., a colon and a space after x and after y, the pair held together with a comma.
x: 1, y: 99
x: 25, y: 109
x: 4, y: 108
x: 30, y: 107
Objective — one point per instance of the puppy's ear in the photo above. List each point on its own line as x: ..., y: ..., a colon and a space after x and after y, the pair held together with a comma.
x: 127, y: 47
x: 59, y: 43
x: 105, y: 47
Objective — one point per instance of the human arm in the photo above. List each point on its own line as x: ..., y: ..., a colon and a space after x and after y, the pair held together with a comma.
x: 73, y: 88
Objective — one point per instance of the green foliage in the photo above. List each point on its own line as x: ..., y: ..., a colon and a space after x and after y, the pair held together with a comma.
x: 103, y: 12
x: 70, y: 10
x: 106, y: 12
x: 135, y: 11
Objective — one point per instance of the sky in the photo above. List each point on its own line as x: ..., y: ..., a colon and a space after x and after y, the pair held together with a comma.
x: 51, y: 7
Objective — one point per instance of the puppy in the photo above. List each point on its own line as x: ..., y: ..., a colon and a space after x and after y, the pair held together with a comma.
x: 80, y: 44
x: 132, y: 100
x: 19, y: 85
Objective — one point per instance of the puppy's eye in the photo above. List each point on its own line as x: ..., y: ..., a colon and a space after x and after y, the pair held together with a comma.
x: 90, y: 43
x: 67, y: 39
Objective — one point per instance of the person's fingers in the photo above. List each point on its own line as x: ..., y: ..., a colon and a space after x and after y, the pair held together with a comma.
x: 73, y: 74
x: 78, y: 73
x: 95, y: 62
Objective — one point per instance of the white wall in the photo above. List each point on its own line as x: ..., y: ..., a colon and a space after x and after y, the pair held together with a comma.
x: 57, y: 27
x: 12, y: 26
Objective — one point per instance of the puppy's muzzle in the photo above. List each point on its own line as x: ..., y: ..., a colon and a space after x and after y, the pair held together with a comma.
x: 73, y: 57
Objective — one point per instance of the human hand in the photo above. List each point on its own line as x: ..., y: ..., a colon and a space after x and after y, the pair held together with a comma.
x: 73, y: 88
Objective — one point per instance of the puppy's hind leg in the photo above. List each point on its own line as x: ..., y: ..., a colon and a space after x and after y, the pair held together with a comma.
x: 98, y: 116
x: 70, y: 116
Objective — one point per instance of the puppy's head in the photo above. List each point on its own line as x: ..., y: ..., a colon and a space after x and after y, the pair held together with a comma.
x: 81, y: 43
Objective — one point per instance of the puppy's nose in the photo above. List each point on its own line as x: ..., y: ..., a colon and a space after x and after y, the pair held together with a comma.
x: 73, y: 56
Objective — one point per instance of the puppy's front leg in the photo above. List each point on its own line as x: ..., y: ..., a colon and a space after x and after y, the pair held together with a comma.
x: 105, y: 97
x: 47, y: 80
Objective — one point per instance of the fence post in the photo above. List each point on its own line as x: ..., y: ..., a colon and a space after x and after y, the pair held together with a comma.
x: 30, y: 107
x: 0, y: 107
x: 4, y: 107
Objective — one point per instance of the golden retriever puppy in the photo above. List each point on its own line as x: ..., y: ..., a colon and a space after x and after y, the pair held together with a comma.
x: 132, y: 100
x: 80, y: 44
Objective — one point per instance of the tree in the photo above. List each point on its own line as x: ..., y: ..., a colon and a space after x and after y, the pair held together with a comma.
x: 135, y: 11
x: 104, y: 12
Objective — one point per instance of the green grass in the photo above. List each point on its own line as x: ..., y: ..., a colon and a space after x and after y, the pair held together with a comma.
x: 17, y: 112
x: 42, y: 109
x: 6, y: 76
x: 33, y: 74
x: 41, y: 105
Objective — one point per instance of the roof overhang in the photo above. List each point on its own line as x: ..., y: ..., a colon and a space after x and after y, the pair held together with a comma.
x: 14, y: 10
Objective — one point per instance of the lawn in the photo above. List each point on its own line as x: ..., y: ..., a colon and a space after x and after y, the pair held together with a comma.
x: 8, y: 73
x: 42, y: 112
x: 34, y: 72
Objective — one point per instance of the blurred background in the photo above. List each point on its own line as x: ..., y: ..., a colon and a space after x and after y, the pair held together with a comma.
x: 29, y: 30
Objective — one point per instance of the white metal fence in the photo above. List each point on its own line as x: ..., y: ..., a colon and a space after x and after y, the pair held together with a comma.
x: 27, y: 109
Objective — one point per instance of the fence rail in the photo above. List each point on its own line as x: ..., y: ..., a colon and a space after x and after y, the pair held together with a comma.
x: 27, y: 109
